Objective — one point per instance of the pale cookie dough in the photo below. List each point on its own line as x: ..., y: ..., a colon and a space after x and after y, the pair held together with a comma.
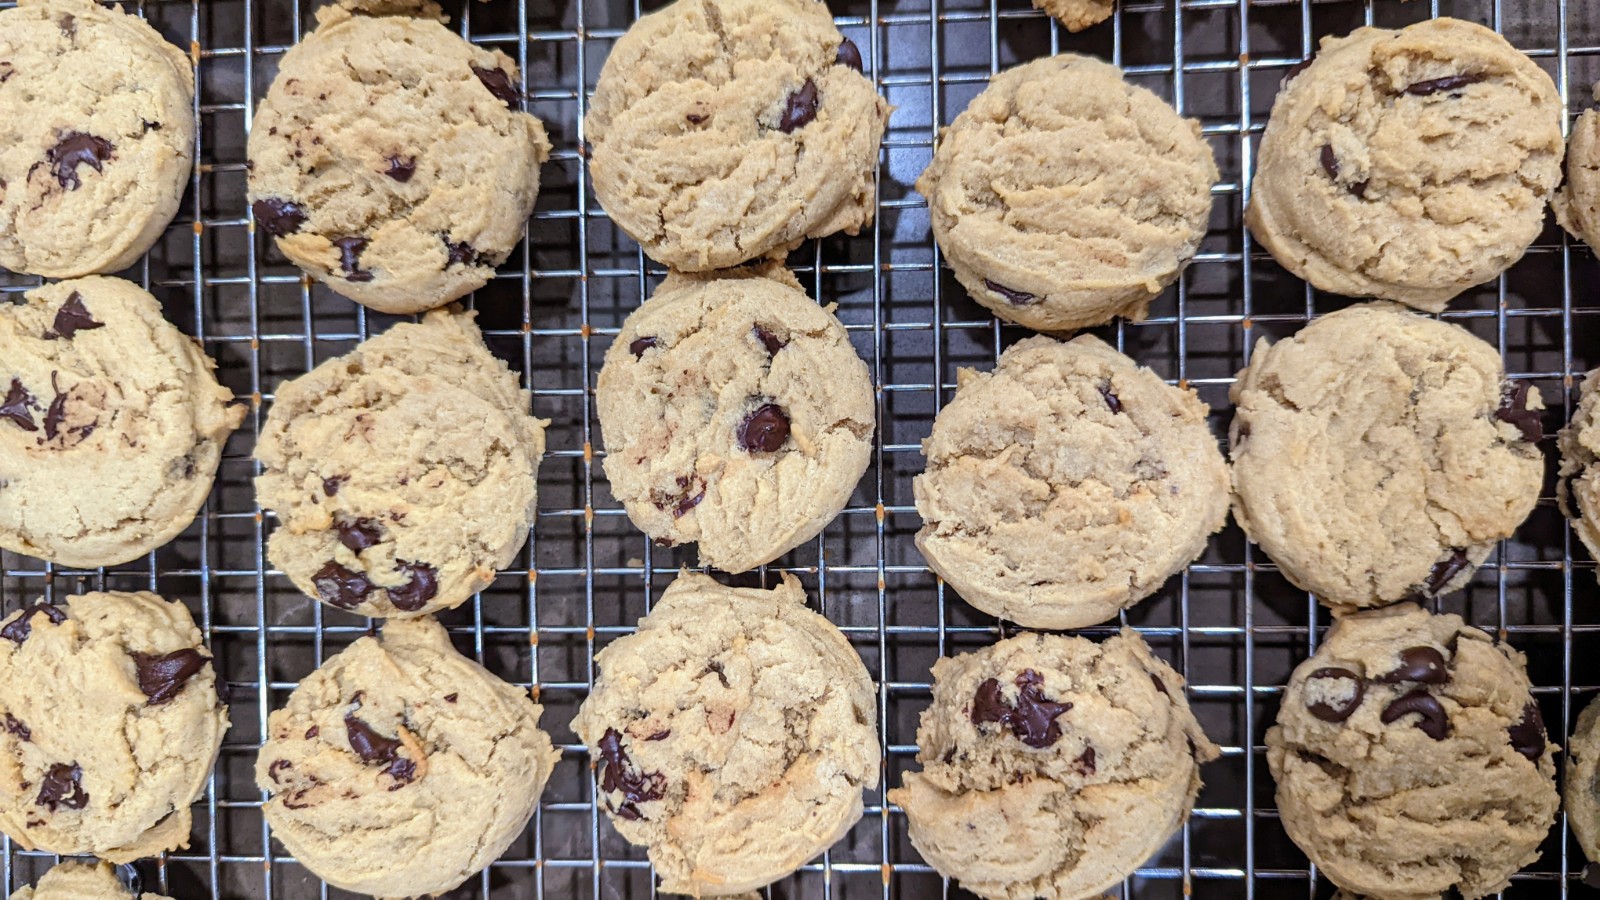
x: 111, y: 424
x: 1411, y: 758
x: 1379, y: 455
x: 1076, y: 15
x: 1064, y: 197
x: 726, y: 130
x: 732, y: 735
x: 402, y: 473
x: 1408, y: 165
x: 1067, y: 484
x: 390, y: 159
x: 110, y: 722
x: 96, y: 137
x: 1578, y: 489
x: 400, y: 768
x: 735, y: 414
x: 1052, y: 766
x: 1577, y: 203
x: 1580, y: 783
x: 81, y: 881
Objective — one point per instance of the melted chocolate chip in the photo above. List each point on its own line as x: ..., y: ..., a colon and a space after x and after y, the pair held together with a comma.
x: 330, y: 486
x: 1330, y: 163
x: 16, y: 407
x: 1440, y: 85
x: 278, y: 765
x: 1032, y: 719
x: 14, y: 726
x: 403, y: 771
x: 74, y: 150
x: 690, y: 492
x: 401, y: 168
x: 1111, y: 399
x: 772, y: 342
x: 500, y: 85
x: 1514, y: 411
x: 849, y: 54
x: 278, y: 217
x: 1328, y: 712
x: 638, y: 347
x: 350, y: 249
x: 799, y: 109
x: 463, y: 253
x: 619, y: 774
x: 61, y: 787
x: 22, y: 626
x: 1444, y: 571
x: 341, y: 587
x: 1085, y: 761
x: 72, y: 318
x: 1527, y: 736
x: 1423, y: 665
x: 358, y: 534
x: 422, y: 586
x: 162, y: 676
x: 764, y: 430
x: 1015, y: 298
x: 1432, y: 719
x: 57, y: 413
x: 367, y: 743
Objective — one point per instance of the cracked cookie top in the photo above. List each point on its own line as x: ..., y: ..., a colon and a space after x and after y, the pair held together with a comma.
x: 1408, y: 165
x: 1067, y: 484
x: 110, y: 721
x: 400, y: 768
x: 1410, y: 757
x: 732, y: 735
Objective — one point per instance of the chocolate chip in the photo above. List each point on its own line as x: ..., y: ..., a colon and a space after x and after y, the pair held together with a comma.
x: 849, y: 54
x: 401, y: 168
x: 638, y: 347
x: 1439, y: 85
x: 330, y: 486
x: 1514, y: 410
x: 340, y: 586
x: 312, y: 732
x: 60, y: 787
x: 14, y: 726
x: 500, y: 85
x: 278, y: 217
x: 800, y: 108
x: 764, y: 430
x: 162, y: 676
x: 22, y: 626
x: 350, y: 249
x: 661, y: 735
x: 422, y: 586
x: 1015, y: 298
x: 1527, y: 736
x: 1160, y: 685
x: 278, y: 765
x: 57, y: 413
x: 1032, y: 719
x: 1085, y: 761
x: 688, y: 495
x: 72, y: 318
x: 76, y: 149
x: 463, y: 253
x: 1330, y: 163
x: 358, y: 534
x: 1444, y: 571
x: 367, y: 743
x: 1423, y: 665
x: 1432, y: 719
x: 772, y: 342
x: 17, y: 404
x: 451, y: 698
x: 619, y: 774
x: 1297, y: 68
x: 1111, y: 399
x: 1328, y: 712
x: 403, y: 771
x: 696, y: 118
x: 721, y: 673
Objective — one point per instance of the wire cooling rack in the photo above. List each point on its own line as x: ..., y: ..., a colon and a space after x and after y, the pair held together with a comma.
x: 1231, y: 623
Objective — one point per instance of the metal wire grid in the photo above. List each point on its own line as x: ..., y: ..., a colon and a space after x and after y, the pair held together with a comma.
x: 1230, y: 623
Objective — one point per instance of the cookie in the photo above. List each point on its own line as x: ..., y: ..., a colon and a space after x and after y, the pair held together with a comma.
x: 400, y: 768
x: 1580, y: 783
x: 726, y: 130
x: 96, y: 137
x: 1407, y: 165
x: 391, y: 160
x: 1379, y: 455
x: 1052, y: 766
x: 111, y: 424
x: 1064, y: 197
x: 1578, y: 488
x: 1410, y: 757
x: 1577, y: 203
x: 81, y: 881
x: 1076, y: 15
x: 129, y: 665
x: 402, y: 473
x: 732, y: 734
x: 1067, y: 485
x: 736, y: 415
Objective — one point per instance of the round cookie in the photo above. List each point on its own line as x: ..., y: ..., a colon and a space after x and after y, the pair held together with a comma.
x: 736, y: 415
x: 1379, y: 455
x: 81, y: 881
x: 1064, y: 197
x: 726, y: 130
x: 1580, y: 783
x: 1067, y: 484
x: 1052, y: 766
x: 96, y: 137
x: 1076, y: 15
x: 732, y: 734
x: 390, y: 160
x: 1577, y: 203
x: 400, y: 768
x: 111, y: 424
x: 129, y: 665
x: 1578, y: 489
x: 1411, y: 758
x: 402, y: 473
x: 1408, y: 165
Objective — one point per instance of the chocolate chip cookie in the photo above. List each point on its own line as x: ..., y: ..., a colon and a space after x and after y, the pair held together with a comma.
x: 1578, y: 489
x: 1076, y: 15
x: 1067, y: 484
x: 1408, y: 165
x: 402, y: 473
x: 726, y: 130
x: 110, y: 722
x: 735, y: 414
x: 1064, y: 197
x: 1379, y: 455
x: 1577, y: 203
x: 400, y: 768
x: 1580, y: 783
x: 96, y: 137
x: 81, y: 881
x: 1411, y: 758
x: 732, y: 735
x: 1052, y: 766
x: 392, y: 161
x: 111, y: 424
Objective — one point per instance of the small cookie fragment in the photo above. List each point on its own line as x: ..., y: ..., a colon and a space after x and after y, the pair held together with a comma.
x: 82, y: 881
x: 1578, y: 487
x: 1076, y: 15
x: 1063, y: 196
x: 1052, y: 766
x: 402, y: 473
x: 1411, y: 757
x: 1577, y: 203
x: 400, y: 768
x: 732, y: 735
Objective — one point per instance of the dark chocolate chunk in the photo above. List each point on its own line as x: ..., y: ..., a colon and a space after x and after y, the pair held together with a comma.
x: 772, y: 342
x: 76, y: 149
x: 17, y: 404
x: 401, y: 168
x: 1032, y: 719
x: 22, y: 626
x: 1111, y: 399
x: 330, y: 486
x: 422, y: 586
x: 340, y: 586
x: 464, y: 254
x: 451, y: 698
x: 278, y: 217
x: 403, y: 771
x: 618, y: 773
x: 57, y: 413
x: 696, y: 118
x: 367, y: 743
x: 358, y: 534
x: 1085, y: 761
x: 1431, y: 717
x: 278, y: 765
x: 1440, y: 85
x: 690, y: 492
x: 1423, y: 665
x: 800, y: 108
x: 350, y: 249
x: 1527, y: 736
x: 721, y: 673
x: 15, y: 726
x: 1514, y: 410
x: 1160, y: 685
x: 849, y: 54
x: 61, y: 787
x: 162, y: 676
x: 500, y: 85
x: 638, y: 347
x: 764, y: 430
x: 1444, y: 571
x: 72, y: 318
x: 1015, y: 298
x: 1330, y: 163
x: 1328, y: 712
